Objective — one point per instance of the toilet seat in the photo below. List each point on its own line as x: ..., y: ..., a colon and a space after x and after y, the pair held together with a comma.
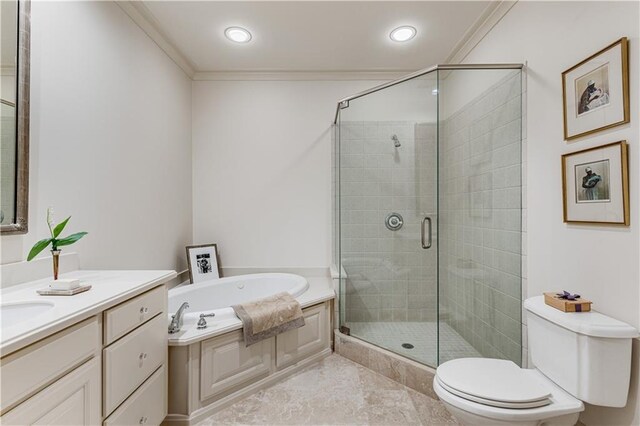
x: 559, y: 402
x: 493, y: 382
x: 492, y: 403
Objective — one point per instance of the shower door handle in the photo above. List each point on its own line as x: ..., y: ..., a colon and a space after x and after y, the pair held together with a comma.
x: 426, y: 245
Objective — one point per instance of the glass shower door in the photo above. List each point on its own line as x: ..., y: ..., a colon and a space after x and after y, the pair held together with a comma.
x: 387, y: 206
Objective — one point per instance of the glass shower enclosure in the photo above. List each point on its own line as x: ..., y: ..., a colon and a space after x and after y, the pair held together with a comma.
x: 427, y: 177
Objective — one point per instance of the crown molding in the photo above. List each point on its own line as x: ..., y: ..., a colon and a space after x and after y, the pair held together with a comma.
x: 297, y: 75
x: 483, y: 25
x: 142, y: 16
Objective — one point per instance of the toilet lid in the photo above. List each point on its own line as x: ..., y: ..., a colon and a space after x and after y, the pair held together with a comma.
x: 495, y: 382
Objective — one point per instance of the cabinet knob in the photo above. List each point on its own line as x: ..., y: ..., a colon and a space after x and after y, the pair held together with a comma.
x: 144, y: 310
x: 143, y: 420
x: 142, y: 356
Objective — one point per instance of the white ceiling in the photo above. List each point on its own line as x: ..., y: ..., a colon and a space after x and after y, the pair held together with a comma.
x: 314, y: 35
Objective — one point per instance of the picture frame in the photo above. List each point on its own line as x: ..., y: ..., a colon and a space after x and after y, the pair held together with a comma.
x: 595, y: 185
x: 204, y: 262
x: 595, y: 92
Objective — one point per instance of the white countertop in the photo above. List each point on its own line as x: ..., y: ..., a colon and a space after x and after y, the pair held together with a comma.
x: 320, y: 290
x: 108, y: 289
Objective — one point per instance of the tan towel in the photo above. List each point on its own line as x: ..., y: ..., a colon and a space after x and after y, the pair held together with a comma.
x: 267, y: 317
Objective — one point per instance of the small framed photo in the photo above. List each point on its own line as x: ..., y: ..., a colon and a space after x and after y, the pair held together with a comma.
x: 595, y: 185
x: 596, y: 92
x: 204, y: 263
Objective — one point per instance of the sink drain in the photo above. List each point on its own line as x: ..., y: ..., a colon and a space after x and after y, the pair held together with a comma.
x: 407, y: 345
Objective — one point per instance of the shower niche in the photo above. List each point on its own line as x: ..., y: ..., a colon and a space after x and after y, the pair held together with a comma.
x: 427, y: 213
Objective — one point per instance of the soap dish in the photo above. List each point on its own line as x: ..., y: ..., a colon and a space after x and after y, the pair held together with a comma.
x: 50, y: 292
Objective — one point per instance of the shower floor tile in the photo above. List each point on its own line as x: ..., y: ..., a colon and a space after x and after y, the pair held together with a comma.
x: 422, y: 335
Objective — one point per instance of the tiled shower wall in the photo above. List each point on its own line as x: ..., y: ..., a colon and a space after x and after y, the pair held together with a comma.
x: 480, y: 219
x: 390, y: 277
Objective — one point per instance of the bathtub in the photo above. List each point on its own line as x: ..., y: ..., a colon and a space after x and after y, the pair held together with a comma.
x: 217, y: 296
x: 212, y: 366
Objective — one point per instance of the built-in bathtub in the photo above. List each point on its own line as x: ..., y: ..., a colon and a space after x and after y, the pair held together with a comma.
x: 218, y: 295
x: 212, y: 368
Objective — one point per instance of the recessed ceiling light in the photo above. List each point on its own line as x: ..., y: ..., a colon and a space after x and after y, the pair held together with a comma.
x: 237, y: 34
x: 404, y: 33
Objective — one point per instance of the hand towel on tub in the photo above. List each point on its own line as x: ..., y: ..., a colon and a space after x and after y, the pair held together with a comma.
x: 267, y: 317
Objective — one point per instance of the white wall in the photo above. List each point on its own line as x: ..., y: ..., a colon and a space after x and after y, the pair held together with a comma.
x: 262, y: 169
x: 598, y: 262
x: 110, y: 139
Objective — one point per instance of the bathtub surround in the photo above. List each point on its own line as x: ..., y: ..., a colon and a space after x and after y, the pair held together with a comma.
x: 106, y: 99
x: 546, y: 37
x: 213, y: 367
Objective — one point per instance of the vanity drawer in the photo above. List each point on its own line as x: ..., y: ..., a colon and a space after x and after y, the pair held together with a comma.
x: 26, y: 371
x: 123, y: 318
x: 129, y: 361
x: 147, y: 405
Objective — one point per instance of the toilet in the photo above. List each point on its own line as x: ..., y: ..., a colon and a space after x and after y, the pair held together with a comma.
x: 578, y: 357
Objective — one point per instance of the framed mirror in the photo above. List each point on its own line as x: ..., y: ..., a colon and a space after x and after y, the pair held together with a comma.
x: 15, y: 35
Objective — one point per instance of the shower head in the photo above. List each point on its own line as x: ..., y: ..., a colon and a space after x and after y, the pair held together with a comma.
x: 396, y: 141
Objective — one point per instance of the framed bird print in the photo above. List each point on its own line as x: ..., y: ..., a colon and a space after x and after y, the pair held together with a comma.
x: 595, y: 184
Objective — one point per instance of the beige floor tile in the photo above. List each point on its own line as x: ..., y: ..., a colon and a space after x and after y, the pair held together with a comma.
x: 335, y: 391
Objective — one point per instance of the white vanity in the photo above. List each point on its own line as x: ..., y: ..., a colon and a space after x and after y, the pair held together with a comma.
x: 99, y: 357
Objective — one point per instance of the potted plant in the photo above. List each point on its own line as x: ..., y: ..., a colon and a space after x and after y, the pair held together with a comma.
x: 55, y: 242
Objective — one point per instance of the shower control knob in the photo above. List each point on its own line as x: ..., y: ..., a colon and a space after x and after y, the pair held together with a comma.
x: 394, y: 221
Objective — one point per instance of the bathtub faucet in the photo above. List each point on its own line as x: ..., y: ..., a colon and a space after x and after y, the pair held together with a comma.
x: 176, y: 319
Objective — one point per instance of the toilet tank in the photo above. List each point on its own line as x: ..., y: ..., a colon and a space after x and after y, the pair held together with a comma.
x: 588, y: 354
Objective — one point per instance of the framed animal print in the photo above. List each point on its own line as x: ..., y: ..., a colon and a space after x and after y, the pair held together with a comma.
x: 596, y: 92
x: 595, y: 184
x: 204, y: 263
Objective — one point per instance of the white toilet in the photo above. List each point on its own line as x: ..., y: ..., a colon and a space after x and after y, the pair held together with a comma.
x: 578, y: 357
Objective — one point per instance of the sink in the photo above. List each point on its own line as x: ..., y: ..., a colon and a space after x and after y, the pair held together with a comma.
x: 17, y: 312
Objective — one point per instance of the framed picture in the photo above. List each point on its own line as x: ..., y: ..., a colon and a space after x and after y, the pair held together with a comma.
x: 595, y: 184
x: 596, y: 92
x: 204, y: 263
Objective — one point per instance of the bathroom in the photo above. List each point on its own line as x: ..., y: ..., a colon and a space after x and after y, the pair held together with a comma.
x: 157, y: 132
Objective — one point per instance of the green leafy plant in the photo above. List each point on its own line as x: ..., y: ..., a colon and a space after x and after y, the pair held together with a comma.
x: 55, y: 233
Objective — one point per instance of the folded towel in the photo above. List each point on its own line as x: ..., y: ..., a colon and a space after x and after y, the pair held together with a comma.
x: 267, y: 317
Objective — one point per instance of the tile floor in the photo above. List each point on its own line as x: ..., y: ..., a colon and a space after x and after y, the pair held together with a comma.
x: 334, y: 391
x: 422, y: 335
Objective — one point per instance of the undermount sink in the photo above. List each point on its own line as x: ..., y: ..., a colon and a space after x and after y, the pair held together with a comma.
x: 17, y: 312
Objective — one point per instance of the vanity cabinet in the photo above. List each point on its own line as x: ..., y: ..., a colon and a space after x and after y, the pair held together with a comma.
x: 72, y: 400
x: 131, y: 359
x: 109, y: 368
x: 26, y: 371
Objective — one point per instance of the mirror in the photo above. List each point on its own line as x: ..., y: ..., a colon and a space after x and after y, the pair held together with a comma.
x: 14, y: 118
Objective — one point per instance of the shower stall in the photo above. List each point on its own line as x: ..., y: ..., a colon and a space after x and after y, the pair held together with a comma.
x: 427, y: 213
